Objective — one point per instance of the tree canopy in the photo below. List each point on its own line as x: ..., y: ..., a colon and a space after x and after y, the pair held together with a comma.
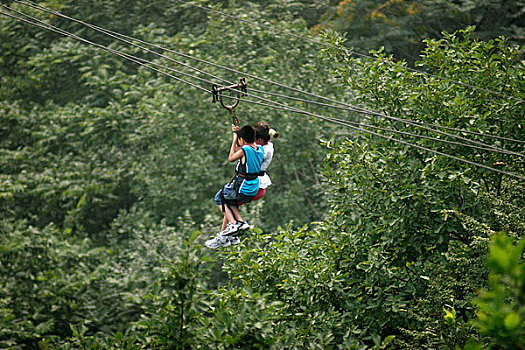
x: 397, y: 210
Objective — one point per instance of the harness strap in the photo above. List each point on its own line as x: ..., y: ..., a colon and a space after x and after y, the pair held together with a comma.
x: 248, y: 176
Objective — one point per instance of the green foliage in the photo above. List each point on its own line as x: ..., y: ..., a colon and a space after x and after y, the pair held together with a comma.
x: 242, y: 319
x: 388, y: 266
x: 102, y: 156
x: 52, y: 280
x: 173, y: 309
x: 402, y: 26
x: 68, y: 171
x: 107, y: 168
x: 296, y: 269
x: 418, y: 221
x: 501, y: 309
x: 156, y: 139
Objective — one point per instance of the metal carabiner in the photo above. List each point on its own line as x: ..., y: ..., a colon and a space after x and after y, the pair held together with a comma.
x: 235, y: 104
x: 240, y: 89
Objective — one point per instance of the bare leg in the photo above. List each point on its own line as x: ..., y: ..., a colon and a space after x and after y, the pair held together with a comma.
x: 236, y: 213
x: 224, y: 223
x: 228, y: 216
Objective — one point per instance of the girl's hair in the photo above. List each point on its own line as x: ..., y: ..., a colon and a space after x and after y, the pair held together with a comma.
x: 247, y: 133
x: 271, y: 132
x: 262, y: 133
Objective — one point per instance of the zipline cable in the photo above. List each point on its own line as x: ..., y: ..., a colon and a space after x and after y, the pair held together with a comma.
x: 131, y: 58
x: 481, y: 146
x: 347, y: 124
x: 216, y: 65
x: 143, y: 62
x: 350, y: 107
x: 425, y: 126
x: 389, y: 130
x: 347, y: 51
x: 120, y: 37
x: 330, y: 119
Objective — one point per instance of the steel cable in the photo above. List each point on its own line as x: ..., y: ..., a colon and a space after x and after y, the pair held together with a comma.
x: 347, y: 51
x: 353, y: 125
x: 423, y: 125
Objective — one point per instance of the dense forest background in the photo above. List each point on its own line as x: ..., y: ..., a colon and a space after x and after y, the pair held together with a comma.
x: 108, y: 171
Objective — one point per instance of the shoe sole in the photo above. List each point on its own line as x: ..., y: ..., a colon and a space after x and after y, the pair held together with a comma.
x: 237, y: 242
x: 227, y: 243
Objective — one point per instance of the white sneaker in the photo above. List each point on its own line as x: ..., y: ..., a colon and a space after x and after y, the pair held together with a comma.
x: 234, y: 240
x: 230, y: 229
x: 243, y: 226
x: 217, y: 242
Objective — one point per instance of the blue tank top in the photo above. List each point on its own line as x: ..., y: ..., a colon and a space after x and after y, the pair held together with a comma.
x: 254, y: 159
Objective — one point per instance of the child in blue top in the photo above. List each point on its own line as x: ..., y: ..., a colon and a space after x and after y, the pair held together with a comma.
x: 249, y: 158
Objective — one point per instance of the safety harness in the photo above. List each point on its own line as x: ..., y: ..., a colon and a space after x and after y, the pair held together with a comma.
x: 240, y: 171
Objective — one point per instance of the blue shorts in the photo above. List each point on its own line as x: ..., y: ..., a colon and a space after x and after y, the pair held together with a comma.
x: 242, y: 199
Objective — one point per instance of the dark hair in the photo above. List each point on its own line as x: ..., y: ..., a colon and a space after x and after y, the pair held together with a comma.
x: 271, y: 132
x: 262, y: 133
x: 247, y: 133
x: 262, y: 124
